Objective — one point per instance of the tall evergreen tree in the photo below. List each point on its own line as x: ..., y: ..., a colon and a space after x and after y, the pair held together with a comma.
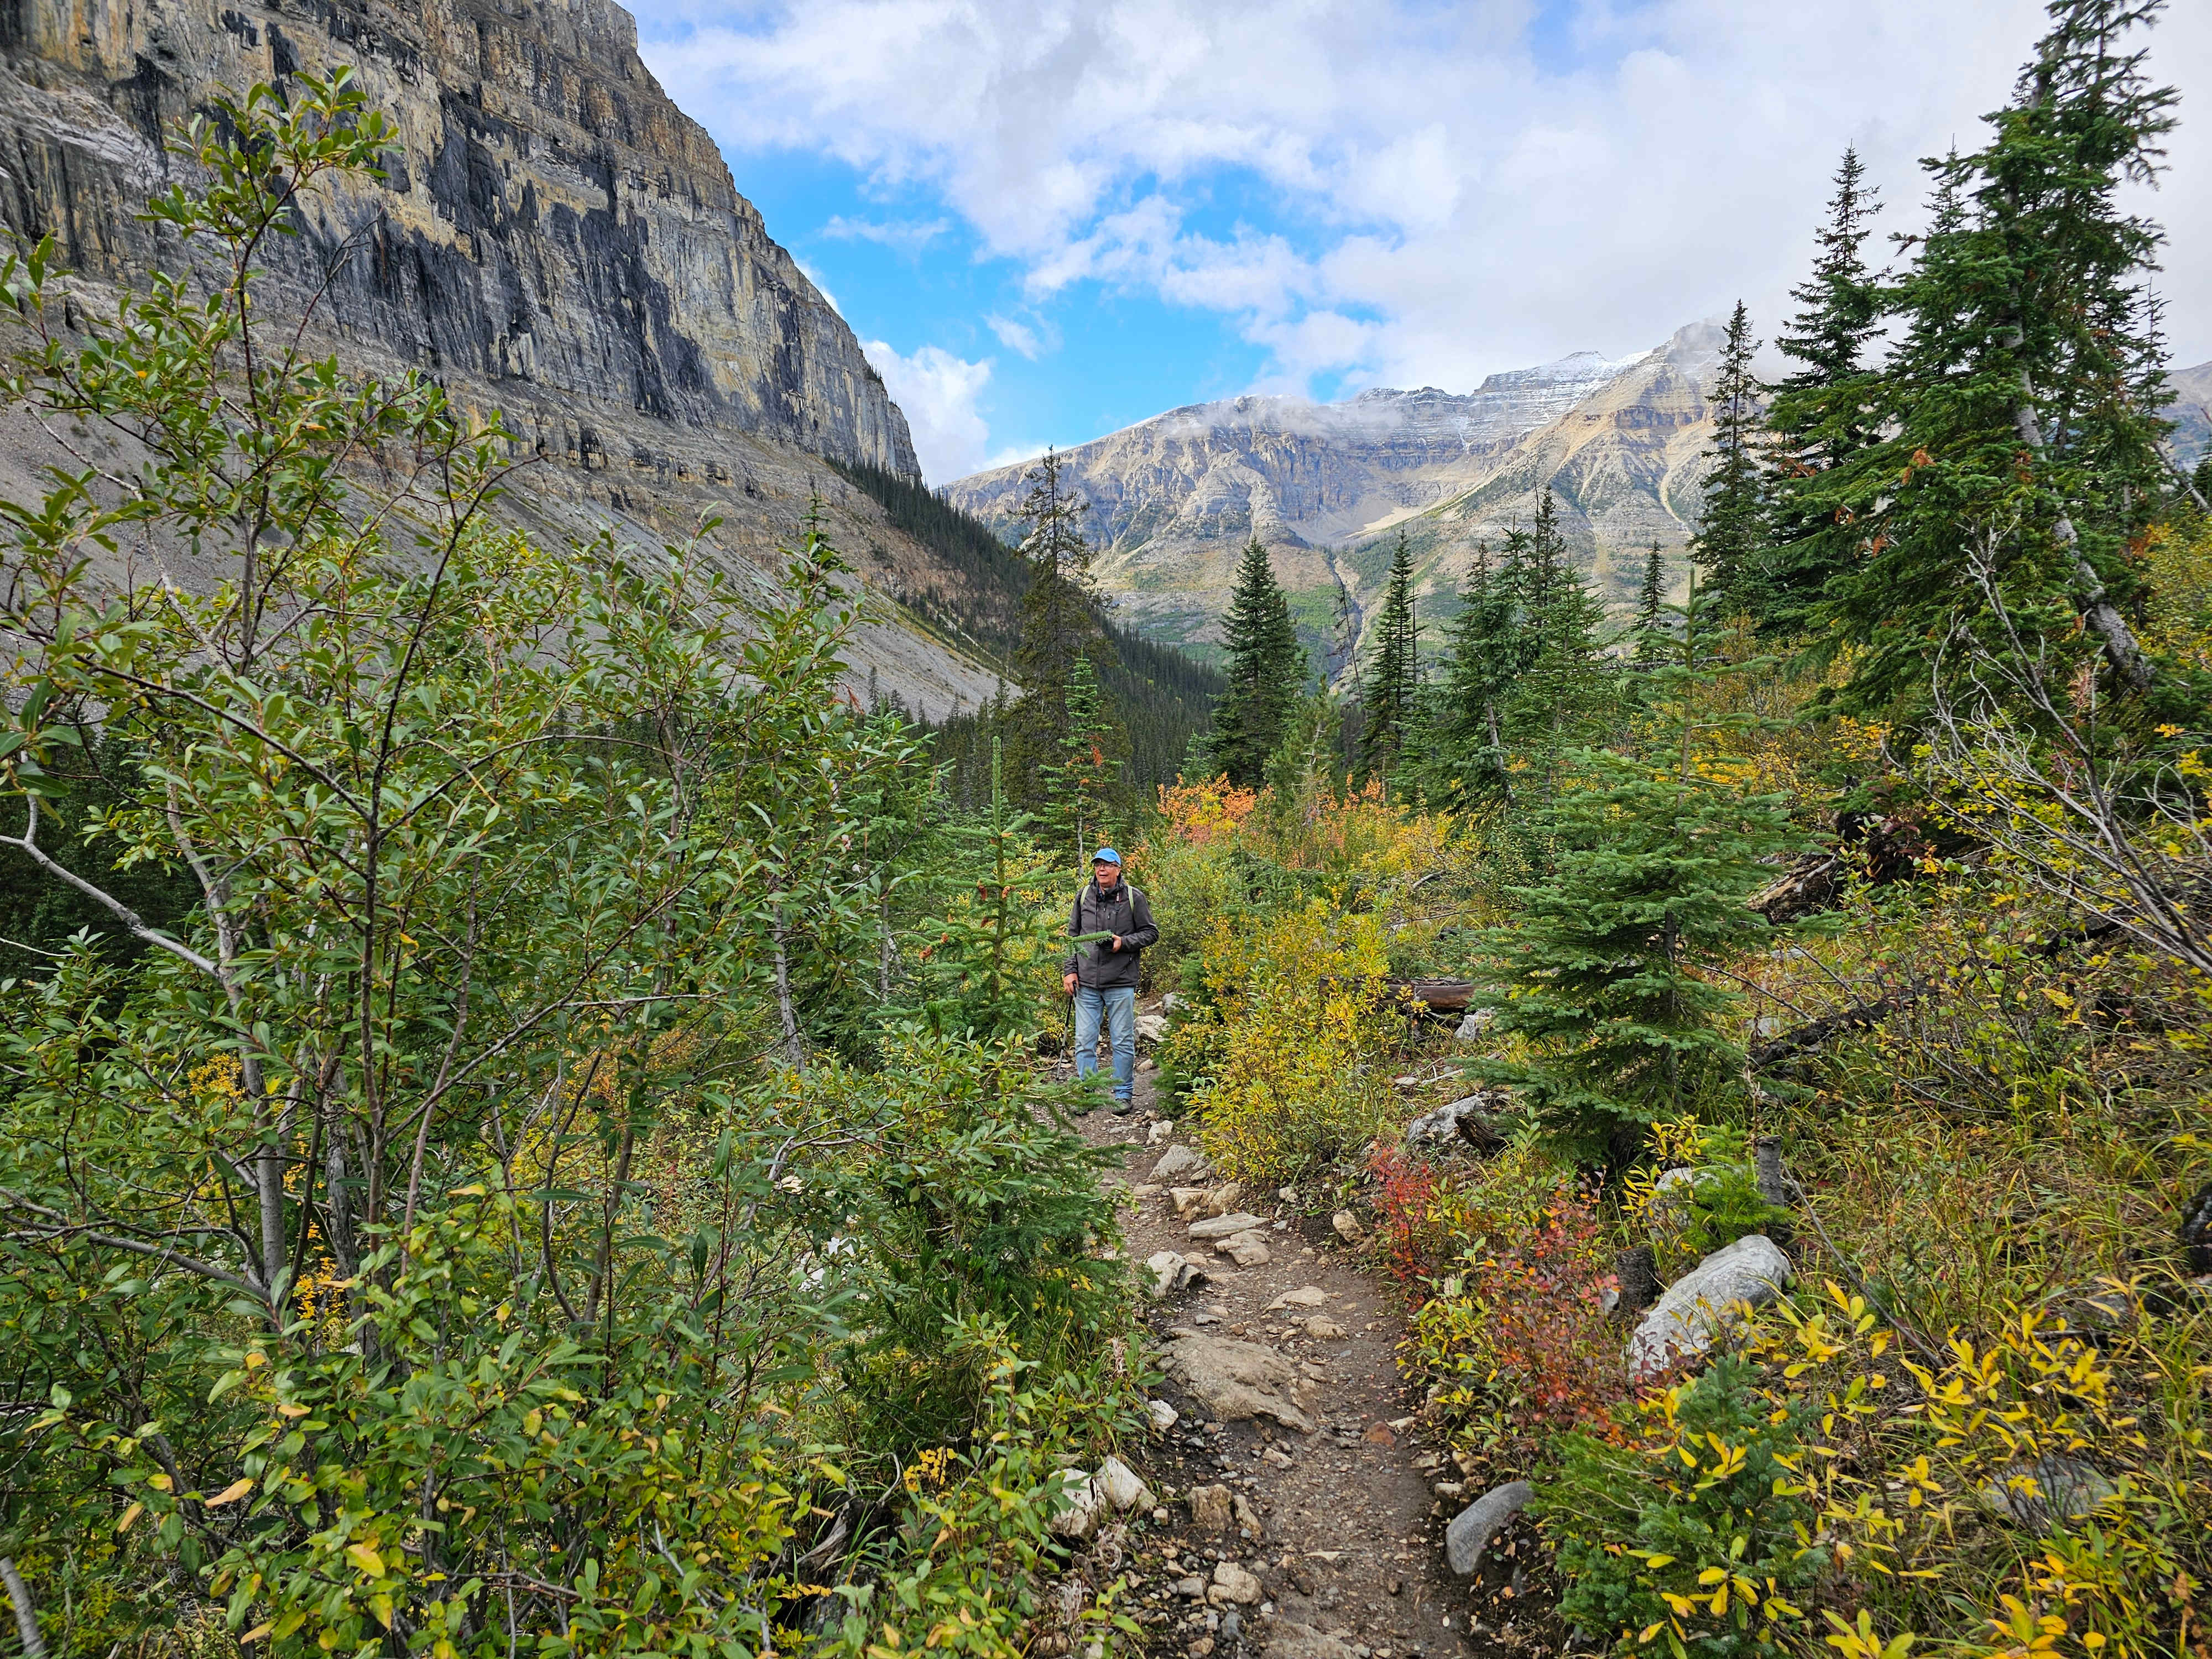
x: 1733, y: 528
x: 1076, y: 783
x: 1825, y: 412
x: 1564, y: 693
x: 1389, y: 697
x: 1060, y: 623
x: 1487, y: 650
x: 1651, y: 631
x: 1265, y: 670
x: 2024, y: 394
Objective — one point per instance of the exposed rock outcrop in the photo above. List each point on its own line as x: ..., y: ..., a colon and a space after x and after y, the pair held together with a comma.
x: 553, y: 238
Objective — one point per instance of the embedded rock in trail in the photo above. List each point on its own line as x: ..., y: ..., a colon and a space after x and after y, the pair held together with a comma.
x: 1224, y: 1199
x: 1467, y: 1120
x: 1151, y: 1028
x: 1290, y: 1641
x: 1226, y: 1226
x: 1472, y: 1528
x: 1306, y: 1295
x: 1348, y: 1228
x: 1697, y: 1309
x: 1246, y: 1249
x: 1233, y: 1583
x: 1181, y: 1163
x: 1322, y: 1329
x: 1237, y: 1380
x: 1210, y: 1508
x: 1170, y: 1273
x: 1187, y: 1201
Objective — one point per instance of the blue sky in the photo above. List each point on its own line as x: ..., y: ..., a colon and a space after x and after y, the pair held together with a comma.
x: 1048, y: 219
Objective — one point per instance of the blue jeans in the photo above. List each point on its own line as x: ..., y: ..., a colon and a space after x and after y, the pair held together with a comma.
x: 1117, y: 1005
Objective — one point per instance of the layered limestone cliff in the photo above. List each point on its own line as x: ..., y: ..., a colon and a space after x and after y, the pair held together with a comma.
x: 554, y: 238
x: 1327, y: 487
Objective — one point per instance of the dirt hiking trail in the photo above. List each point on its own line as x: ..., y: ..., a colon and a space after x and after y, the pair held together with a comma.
x: 1349, y: 1559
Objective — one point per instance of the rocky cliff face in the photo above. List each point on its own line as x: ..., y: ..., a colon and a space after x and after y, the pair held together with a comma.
x: 1327, y: 487
x: 554, y: 238
x: 555, y: 234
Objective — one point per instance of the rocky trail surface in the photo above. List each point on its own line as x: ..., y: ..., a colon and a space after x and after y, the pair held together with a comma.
x: 1303, y: 1508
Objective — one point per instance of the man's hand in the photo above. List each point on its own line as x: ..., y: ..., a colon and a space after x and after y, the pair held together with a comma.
x: 1116, y: 945
x: 1067, y: 982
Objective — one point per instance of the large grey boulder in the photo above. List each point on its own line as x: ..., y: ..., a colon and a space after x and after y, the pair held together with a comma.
x: 1472, y: 1528
x: 1474, y: 1025
x: 1702, y: 1306
x: 1238, y: 1381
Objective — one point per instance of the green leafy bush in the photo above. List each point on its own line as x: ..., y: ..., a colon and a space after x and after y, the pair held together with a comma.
x: 1693, y: 1531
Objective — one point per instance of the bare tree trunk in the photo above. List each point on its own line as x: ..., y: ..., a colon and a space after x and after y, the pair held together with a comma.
x: 794, y: 1049
x: 27, y: 1616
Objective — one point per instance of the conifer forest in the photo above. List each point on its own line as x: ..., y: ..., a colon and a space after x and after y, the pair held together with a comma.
x: 535, y: 1120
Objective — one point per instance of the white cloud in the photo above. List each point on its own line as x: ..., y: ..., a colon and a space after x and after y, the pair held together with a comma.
x: 907, y: 237
x: 938, y: 391
x: 1428, y: 202
x: 1018, y: 336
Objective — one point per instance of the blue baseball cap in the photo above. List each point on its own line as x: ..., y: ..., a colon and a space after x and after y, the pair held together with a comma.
x: 1106, y: 855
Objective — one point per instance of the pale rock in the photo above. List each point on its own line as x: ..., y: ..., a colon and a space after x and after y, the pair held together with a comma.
x: 1289, y: 1640
x: 1151, y: 1028
x: 1186, y: 1201
x: 1175, y: 1002
x: 1225, y: 1226
x: 1143, y: 1190
x: 1210, y: 1509
x: 1701, y: 1307
x: 1159, y: 1132
x: 1326, y: 1330
x: 1474, y: 1026
x: 1120, y: 1486
x: 1248, y: 1518
x: 1191, y: 1589
x: 1306, y: 1295
x: 1473, y: 1526
x: 1238, y: 1381
x: 1086, y: 1505
x: 1170, y: 1273
x: 1348, y: 1228
x: 1465, y: 1121
x: 1232, y: 1584
x: 1246, y: 1249
x: 1181, y: 1163
x: 1164, y: 1416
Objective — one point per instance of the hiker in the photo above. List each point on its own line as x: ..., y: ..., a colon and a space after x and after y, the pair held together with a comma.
x: 1102, y: 976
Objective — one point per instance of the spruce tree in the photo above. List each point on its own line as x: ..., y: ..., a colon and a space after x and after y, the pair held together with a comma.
x: 1606, y: 975
x: 1075, y: 784
x: 1060, y: 623
x: 1563, y: 696
x: 1652, y: 636
x: 1266, y: 669
x: 1389, y: 697
x: 2023, y: 396
x: 1486, y: 653
x: 1824, y: 414
x: 1732, y: 529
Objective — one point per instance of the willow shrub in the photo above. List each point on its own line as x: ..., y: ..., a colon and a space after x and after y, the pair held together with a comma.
x: 1293, y: 1043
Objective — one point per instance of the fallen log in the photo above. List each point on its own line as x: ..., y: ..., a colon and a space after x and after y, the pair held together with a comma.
x: 1435, y: 996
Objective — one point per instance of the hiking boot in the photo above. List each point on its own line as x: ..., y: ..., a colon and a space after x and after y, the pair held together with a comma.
x: 1123, y: 1106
